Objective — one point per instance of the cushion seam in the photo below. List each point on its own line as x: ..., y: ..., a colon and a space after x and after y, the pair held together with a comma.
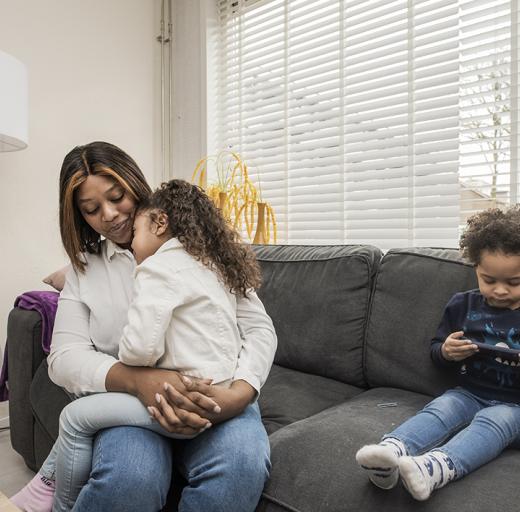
x: 372, y: 292
x: 328, y: 258
x: 395, y: 252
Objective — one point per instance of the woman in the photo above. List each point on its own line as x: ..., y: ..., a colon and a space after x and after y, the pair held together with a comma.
x: 226, y: 466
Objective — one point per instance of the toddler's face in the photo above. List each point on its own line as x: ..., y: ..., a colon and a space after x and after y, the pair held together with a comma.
x: 145, y: 241
x: 499, y: 279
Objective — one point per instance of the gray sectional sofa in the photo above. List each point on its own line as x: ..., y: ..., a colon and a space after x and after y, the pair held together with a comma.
x: 354, y: 330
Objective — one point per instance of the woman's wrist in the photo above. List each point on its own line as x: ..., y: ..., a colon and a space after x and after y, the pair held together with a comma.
x: 245, y: 393
x: 232, y: 400
x: 121, y: 378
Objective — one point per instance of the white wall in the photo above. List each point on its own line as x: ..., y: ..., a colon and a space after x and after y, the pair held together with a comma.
x: 92, y: 76
x: 193, y: 112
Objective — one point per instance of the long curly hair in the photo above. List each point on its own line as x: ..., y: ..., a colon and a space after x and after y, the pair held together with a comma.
x: 493, y: 230
x: 205, y: 234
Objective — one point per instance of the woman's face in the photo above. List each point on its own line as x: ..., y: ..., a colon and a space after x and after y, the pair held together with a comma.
x: 107, y: 208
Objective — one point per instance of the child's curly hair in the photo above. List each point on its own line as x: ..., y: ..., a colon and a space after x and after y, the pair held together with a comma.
x: 493, y: 230
x: 205, y: 234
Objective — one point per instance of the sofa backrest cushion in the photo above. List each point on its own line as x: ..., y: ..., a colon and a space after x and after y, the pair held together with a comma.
x: 318, y: 298
x: 412, y: 289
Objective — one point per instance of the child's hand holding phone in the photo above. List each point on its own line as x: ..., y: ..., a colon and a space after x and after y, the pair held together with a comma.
x: 455, y: 348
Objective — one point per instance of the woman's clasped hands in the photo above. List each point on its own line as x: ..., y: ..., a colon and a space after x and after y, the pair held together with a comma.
x: 187, y: 405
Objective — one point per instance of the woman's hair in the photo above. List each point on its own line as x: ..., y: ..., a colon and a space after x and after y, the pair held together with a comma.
x: 205, y: 234
x: 94, y: 159
x: 492, y: 230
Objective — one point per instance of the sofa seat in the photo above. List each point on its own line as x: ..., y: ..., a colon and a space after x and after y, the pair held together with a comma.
x: 291, y: 395
x: 328, y: 442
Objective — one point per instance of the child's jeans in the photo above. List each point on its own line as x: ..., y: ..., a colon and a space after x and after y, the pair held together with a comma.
x: 483, y: 429
x: 70, y: 460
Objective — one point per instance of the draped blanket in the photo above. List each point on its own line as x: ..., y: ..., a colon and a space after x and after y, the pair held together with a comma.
x: 45, y: 303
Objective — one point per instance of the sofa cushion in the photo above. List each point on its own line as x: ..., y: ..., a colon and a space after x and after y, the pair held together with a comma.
x: 318, y: 299
x: 290, y: 395
x: 314, y: 467
x: 412, y: 289
x: 47, y: 401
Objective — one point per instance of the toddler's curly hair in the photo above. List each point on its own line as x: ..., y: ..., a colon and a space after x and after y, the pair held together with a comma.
x: 199, y: 225
x: 493, y: 230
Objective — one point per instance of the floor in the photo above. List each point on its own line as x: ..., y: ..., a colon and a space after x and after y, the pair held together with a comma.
x: 14, y: 474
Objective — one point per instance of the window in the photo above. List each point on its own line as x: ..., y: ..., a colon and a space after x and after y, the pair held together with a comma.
x: 383, y: 121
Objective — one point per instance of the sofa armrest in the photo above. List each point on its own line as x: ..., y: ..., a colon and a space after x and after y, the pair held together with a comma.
x: 25, y: 354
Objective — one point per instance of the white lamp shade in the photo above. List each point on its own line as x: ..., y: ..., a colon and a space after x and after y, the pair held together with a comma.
x: 14, y: 115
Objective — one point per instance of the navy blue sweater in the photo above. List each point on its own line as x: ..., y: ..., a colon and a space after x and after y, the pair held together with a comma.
x: 482, y: 375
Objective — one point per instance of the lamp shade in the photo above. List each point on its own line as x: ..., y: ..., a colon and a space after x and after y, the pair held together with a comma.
x: 13, y: 104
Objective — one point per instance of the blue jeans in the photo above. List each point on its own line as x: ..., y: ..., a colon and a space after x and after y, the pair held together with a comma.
x: 79, y: 422
x: 226, y: 468
x: 470, y: 430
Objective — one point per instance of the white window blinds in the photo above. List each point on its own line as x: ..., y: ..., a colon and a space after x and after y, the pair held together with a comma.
x: 369, y: 122
x: 488, y: 110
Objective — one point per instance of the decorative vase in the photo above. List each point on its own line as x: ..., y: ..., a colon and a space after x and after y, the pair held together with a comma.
x: 260, y: 225
x: 222, y: 198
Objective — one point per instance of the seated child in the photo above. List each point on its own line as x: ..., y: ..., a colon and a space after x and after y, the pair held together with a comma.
x: 470, y: 425
x: 191, y: 267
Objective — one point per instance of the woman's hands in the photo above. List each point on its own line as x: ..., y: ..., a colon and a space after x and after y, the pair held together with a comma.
x: 232, y: 401
x: 456, y: 349
x: 147, y: 384
x: 181, y: 405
